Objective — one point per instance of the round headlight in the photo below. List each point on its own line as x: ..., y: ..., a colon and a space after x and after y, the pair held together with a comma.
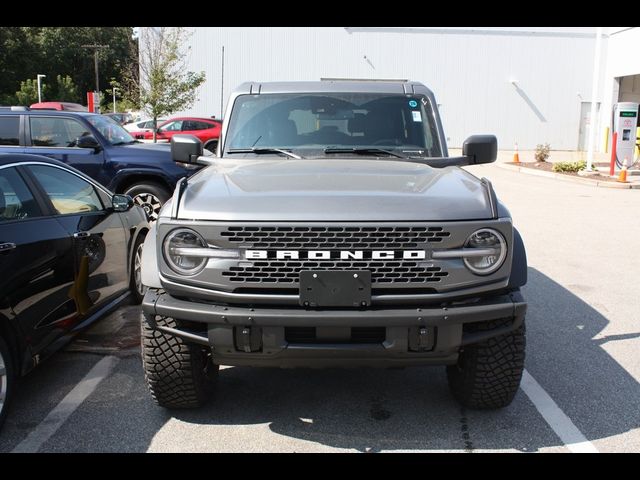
x: 491, y: 251
x: 176, y: 251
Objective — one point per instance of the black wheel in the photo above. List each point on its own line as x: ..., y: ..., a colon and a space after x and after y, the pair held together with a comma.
x: 6, y: 379
x: 212, y: 145
x: 150, y: 196
x: 488, y: 373
x: 136, y: 287
x: 178, y: 374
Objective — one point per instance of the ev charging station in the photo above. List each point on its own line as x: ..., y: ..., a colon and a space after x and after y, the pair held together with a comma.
x: 625, y: 121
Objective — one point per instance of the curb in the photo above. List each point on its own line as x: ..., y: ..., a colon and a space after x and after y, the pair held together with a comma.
x: 566, y: 178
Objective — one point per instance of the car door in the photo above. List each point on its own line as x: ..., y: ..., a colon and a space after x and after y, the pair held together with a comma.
x: 169, y: 129
x: 55, y: 137
x: 10, y: 134
x: 36, y: 261
x: 100, y: 243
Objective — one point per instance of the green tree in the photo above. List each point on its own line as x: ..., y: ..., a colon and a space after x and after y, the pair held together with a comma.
x: 65, y: 89
x: 53, y: 51
x: 28, y: 93
x: 162, y: 85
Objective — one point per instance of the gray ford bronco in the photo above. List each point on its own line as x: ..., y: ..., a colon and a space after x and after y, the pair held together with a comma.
x: 333, y: 229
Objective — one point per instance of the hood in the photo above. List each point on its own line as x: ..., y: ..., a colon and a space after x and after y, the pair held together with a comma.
x: 147, y: 149
x: 332, y: 190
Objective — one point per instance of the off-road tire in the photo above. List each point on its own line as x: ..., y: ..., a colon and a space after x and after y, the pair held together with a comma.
x: 179, y: 374
x: 8, y: 378
x: 151, y: 195
x: 136, y: 297
x: 488, y: 373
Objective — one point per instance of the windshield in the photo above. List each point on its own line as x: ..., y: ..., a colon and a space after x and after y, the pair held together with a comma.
x: 313, y: 123
x: 110, y: 129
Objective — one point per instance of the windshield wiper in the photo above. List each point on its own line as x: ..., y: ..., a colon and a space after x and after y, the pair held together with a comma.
x: 259, y: 150
x: 362, y: 151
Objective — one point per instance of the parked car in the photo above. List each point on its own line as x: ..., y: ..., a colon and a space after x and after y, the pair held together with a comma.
x: 121, y: 118
x: 138, y: 129
x: 66, y: 106
x: 206, y: 129
x: 70, y: 251
x: 100, y: 148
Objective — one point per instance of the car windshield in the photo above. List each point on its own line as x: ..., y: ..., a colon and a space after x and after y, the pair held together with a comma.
x: 110, y: 130
x: 328, y: 123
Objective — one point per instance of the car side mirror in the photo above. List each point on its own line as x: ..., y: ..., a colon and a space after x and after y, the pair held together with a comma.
x: 121, y: 203
x: 187, y: 149
x: 480, y: 149
x: 88, y: 141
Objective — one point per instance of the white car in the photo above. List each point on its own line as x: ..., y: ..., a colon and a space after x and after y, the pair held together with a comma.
x: 137, y: 129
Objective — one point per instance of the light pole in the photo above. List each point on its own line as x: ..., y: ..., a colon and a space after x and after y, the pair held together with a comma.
x: 40, y: 75
x: 114, y: 99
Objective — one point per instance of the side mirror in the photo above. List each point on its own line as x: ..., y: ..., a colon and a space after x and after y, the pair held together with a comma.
x: 121, y: 203
x: 187, y: 149
x: 480, y: 149
x: 88, y: 141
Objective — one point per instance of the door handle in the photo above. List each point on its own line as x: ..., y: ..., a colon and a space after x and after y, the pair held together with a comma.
x: 81, y: 235
x: 6, y: 247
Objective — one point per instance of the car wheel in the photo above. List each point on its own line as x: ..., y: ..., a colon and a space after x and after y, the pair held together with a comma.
x: 136, y: 287
x: 150, y: 196
x: 488, y: 373
x: 179, y: 374
x: 211, y: 146
x: 6, y: 379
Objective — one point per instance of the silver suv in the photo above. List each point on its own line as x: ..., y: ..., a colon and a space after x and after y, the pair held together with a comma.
x: 334, y: 229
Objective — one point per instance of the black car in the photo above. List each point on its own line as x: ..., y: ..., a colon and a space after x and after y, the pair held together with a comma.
x: 70, y: 251
x: 99, y: 147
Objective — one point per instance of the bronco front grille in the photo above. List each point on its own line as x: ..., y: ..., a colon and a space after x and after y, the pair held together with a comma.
x: 346, y: 238
x: 288, y: 271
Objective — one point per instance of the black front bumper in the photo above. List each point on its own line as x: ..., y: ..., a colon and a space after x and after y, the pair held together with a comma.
x: 448, y: 329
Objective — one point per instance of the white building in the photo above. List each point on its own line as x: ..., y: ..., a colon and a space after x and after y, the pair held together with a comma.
x: 528, y: 85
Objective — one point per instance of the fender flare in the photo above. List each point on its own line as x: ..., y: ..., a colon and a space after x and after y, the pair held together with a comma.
x: 518, y: 276
x: 149, y: 268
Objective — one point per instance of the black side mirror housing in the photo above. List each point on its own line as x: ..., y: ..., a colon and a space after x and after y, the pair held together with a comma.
x: 121, y: 203
x: 88, y: 141
x: 480, y: 149
x: 187, y: 149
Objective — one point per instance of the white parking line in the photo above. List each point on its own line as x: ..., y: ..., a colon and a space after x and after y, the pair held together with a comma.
x: 66, y: 407
x: 573, y: 438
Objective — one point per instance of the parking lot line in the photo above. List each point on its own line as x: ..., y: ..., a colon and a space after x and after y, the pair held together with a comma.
x: 573, y: 438
x: 56, y: 418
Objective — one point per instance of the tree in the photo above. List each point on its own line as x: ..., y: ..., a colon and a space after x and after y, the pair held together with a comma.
x: 28, y: 92
x: 65, y: 89
x: 162, y: 85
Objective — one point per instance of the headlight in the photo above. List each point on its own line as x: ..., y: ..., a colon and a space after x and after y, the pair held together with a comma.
x: 187, y: 253
x: 491, y: 251
x: 177, y: 248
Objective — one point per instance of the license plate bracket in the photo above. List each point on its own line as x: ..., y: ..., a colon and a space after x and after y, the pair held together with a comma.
x: 335, y: 288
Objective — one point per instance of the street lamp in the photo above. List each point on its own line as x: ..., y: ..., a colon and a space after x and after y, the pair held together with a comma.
x: 40, y: 75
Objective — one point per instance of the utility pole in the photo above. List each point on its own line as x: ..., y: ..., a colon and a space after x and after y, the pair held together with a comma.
x: 114, y: 99
x: 95, y: 59
x: 40, y: 75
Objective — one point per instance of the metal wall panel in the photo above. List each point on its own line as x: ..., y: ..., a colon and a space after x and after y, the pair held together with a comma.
x: 470, y: 72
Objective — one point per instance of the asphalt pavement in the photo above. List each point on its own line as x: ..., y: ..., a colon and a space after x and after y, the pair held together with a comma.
x: 583, y: 365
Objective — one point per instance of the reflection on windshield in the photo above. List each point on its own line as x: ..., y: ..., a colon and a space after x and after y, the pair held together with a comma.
x: 110, y: 129
x: 353, y: 122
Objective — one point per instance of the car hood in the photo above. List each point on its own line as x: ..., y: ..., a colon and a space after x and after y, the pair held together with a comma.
x: 332, y: 190
x: 144, y: 149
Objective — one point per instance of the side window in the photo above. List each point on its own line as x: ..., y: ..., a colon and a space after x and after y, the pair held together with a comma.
x: 16, y: 201
x: 203, y: 125
x: 9, y: 128
x: 68, y: 193
x: 173, y: 126
x: 55, y: 132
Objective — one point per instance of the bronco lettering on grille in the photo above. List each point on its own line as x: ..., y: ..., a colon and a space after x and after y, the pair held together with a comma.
x: 335, y: 254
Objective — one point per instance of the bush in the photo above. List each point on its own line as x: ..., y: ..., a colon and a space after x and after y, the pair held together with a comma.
x: 569, y: 166
x: 542, y: 152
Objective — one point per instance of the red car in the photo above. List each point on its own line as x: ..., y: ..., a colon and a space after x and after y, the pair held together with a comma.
x: 206, y: 129
x: 71, y: 107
